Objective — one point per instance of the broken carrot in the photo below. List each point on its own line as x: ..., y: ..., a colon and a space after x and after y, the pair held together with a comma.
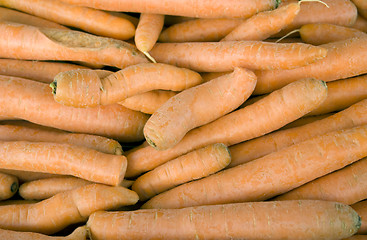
x: 79, y: 233
x: 8, y: 186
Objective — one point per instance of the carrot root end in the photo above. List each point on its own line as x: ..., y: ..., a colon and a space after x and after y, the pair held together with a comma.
x: 14, y: 187
x: 53, y: 85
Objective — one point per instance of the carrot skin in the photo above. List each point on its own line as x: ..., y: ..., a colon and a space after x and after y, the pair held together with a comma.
x: 361, y: 209
x: 79, y: 233
x: 8, y: 186
x: 360, y: 24
x: 148, y: 30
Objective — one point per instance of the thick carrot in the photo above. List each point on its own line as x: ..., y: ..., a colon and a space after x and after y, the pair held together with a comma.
x: 255, y: 220
x: 321, y: 33
x: 63, y: 159
x: 199, y: 30
x: 33, y: 101
x: 79, y: 233
x: 361, y: 209
x: 269, y: 114
x: 87, y: 88
x: 87, y: 19
x: 347, y: 185
x: 148, y: 102
x: 21, y: 130
x: 54, y: 214
x: 198, y: 106
x: 189, y: 8
x: 344, y: 59
x: 28, y: 42
x: 8, y: 186
x: 264, y: 24
x: 224, y: 56
x: 191, y: 166
x: 272, y: 174
x: 360, y: 24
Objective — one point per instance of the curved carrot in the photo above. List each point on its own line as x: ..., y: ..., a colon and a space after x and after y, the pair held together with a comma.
x: 63, y: 159
x: 79, y: 233
x: 256, y: 220
x: 266, y: 115
x: 8, y: 186
x: 87, y: 19
x: 361, y: 209
x: 86, y: 88
x: 214, y: 98
x: 224, y: 56
x: 191, y: 166
x: 272, y: 174
x: 28, y: 42
x: 54, y: 214
x: 360, y: 24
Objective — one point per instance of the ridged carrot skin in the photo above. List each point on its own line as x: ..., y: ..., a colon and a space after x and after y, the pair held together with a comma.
x: 361, y: 209
x: 79, y: 233
x: 8, y: 186
x: 256, y: 220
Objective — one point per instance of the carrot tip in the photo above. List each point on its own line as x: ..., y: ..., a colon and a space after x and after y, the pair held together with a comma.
x: 151, y: 143
x: 14, y: 187
x: 118, y: 151
x: 53, y: 85
x: 150, y: 57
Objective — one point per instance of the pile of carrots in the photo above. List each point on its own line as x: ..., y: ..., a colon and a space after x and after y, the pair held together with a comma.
x: 147, y: 119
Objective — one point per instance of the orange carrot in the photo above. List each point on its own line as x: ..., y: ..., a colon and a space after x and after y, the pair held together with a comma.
x: 255, y: 220
x: 54, y: 214
x: 305, y: 120
x: 20, y: 130
x: 224, y: 56
x: 8, y: 186
x: 148, y: 102
x: 33, y: 101
x: 79, y: 233
x: 360, y: 3
x: 344, y: 59
x: 26, y: 176
x: 360, y: 24
x: 347, y: 185
x: 214, y: 98
x: 132, y: 19
x: 269, y: 114
x: 28, y: 42
x: 361, y: 209
x: 272, y: 174
x: 87, y: 19
x: 356, y: 237
x: 16, y: 201
x: 87, y: 88
x: 199, y: 30
x: 191, y: 166
x: 64, y: 159
x: 171, y: 19
x: 363, y: 12
x: 353, y: 116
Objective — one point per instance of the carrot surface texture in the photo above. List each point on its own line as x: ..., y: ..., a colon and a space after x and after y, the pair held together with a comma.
x: 191, y: 166
x: 255, y: 220
x: 269, y: 114
x: 87, y: 19
x: 272, y: 174
x: 64, y: 159
x: 214, y: 98
x: 224, y: 56
x: 79, y: 233
x: 86, y: 88
x: 28, y: 42
x: 54, y: 214
x: 360, y: 24
x: 361, y: 209
x: 8, y: 186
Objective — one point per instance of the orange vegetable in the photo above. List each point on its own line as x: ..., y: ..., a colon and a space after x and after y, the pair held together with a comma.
x: 8, y: 186
x: 360, y: 24
x: 361, y: 209
x: 305, y: 120
x: 79, y: 233
x: 26, y: 176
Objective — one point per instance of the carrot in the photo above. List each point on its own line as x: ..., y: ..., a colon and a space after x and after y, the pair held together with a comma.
x: 54, y: 214
x: 321, y: 33
x: 79, y: 233
x: 224, y: 56
x: 269, y: 114
x: 171, y: 19
x: 87, y: 19
x: 28, y: 42
x: 363, y: 12
x: 361, y: 209
x: 353, y: 116
x: 199, y: 30
x: 26, y: 176
x: 356, y: 237
x: 272, y: 174
x: 86, y: 88
x: 360, y: 24
x: 305, y: 120
x: 344, y: 59
x: 360, y: 3
x: 33, y: 101
x: 8, y: 186
x: 63, y: 159
x: 206, y: 9
x: 132, y: 19
x: 255, y: 220
x: 214, y: 98
x: 347, y: 185
x: 20, y: 130
x: 191, y: 166
x: 148, y: 102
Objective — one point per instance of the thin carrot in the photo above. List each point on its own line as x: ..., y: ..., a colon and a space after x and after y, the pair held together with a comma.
x: 255, y: 220
x: 87, y: 88
x: 360, y: 24
x: 79, y: 233
x: 63, y: 159
x: 361, y: 209
x: 87, y: 19
x: 224, y: 56
x: 214, y: 98
x: 33, y: 101
x: 191, y: 166
x: 265, y: 116
x: 8, y: 186
x: 272, y: 174
x: 28, y: 42
x: 54, y: 214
